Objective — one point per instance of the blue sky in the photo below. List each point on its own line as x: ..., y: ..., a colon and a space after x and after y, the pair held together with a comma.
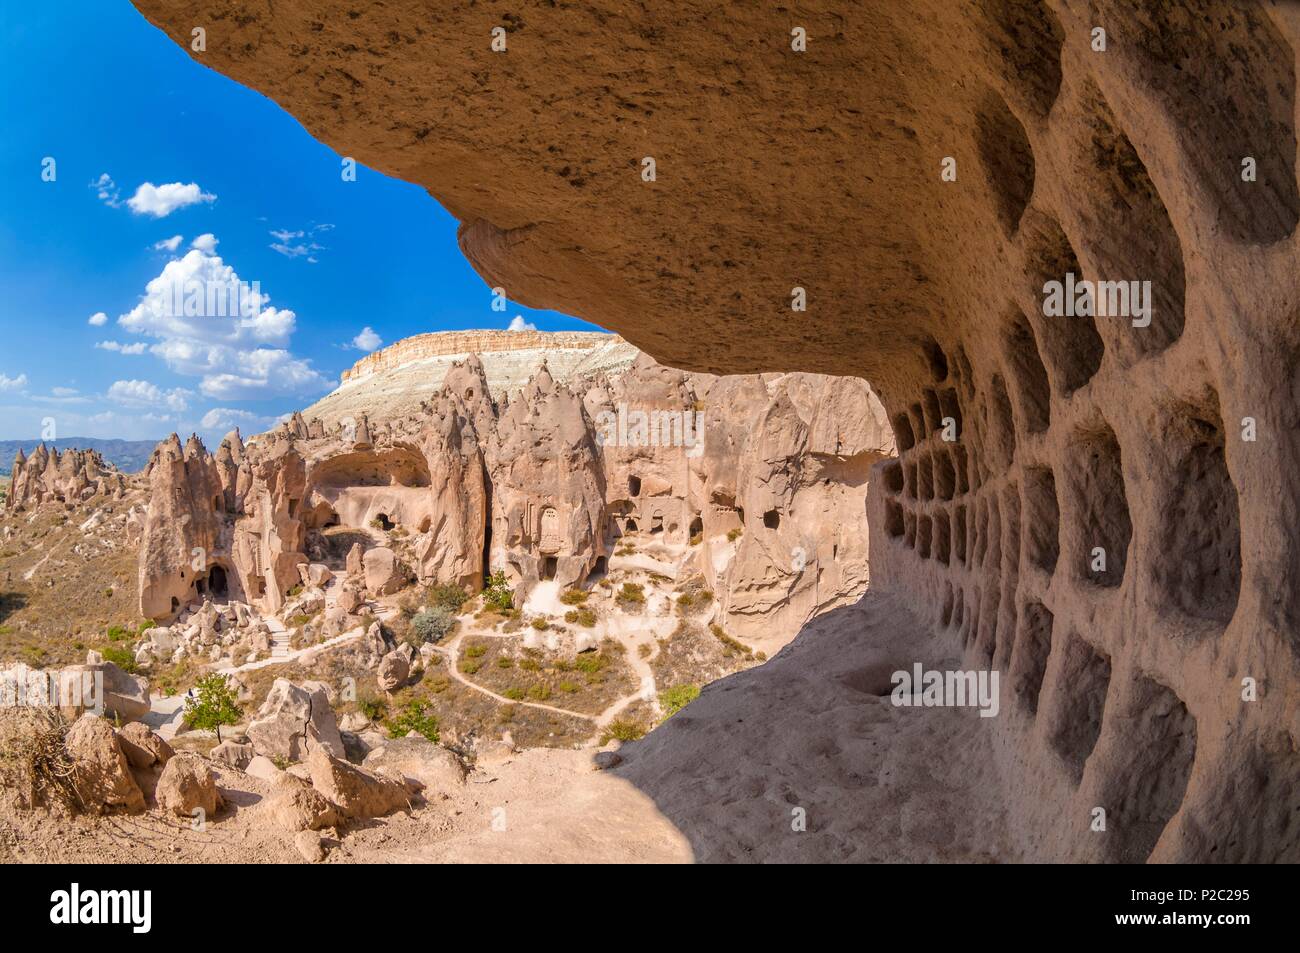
x: 149, y: 145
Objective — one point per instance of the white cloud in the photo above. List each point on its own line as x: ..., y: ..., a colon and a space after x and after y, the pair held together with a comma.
x: 135, y: 393
x: 226, y: 419
x: 517, y: 323
x: 161, y: 200
x: 207, y: 242
x: 118, y: 348
x: 97, y: 320
x: 169, y: 244
x: 297, y: 243
x: 367, y: 340
x: 13, y: 383
x: 242, y: 353
x: 106, y: 190
x: 63, y: 391
x: 264, y: 371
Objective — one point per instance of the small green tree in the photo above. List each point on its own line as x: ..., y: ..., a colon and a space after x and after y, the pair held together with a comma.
x: 213, y: 704
x: 497, y: 593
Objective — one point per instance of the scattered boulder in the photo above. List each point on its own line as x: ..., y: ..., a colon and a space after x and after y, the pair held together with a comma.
x: 293, y: 721
x: 188, y: 784
x: 355, y: 561
x: 357, y: 792
x: 385, y: 573
x: 101, y: 773
x: 494, y: 753
x: 233, y: 754
x: 142, y: 747
x: 297, y: 806
x: 394, y: 670
x: 354, y: 721
x: 263, y: 767
x: 350, y: 599
x: 604, y: 760
x: 311, y: 846
x: 125, y: 697
x: 435, y: 767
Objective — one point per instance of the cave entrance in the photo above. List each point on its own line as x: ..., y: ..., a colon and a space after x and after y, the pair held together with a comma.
x: 218, y: 584
x: 630, y: 527
x: 634, y: 485
x: 599, y: 570
x: 383, y: 522
x: 657, y: 523
x: 549, y: 567
x: 697, y: 527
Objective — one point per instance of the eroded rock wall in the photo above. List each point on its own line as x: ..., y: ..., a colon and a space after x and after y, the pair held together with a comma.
x: 1167, y: 156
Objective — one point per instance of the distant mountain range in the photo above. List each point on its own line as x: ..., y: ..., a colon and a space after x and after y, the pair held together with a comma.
x: 127, y: 455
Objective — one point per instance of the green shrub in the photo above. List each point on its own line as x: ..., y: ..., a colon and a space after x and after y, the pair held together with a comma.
x: 505, y: 661
x: 120, y: 656
x: 678, y: 697
x: 433, y: 624
x: 372, y: 708
x: 447, y: 596
x: 632, y: 594
x: 475, y: 651
x: 539, y: 692
x: 529, y: 664
x: 540, y: 624
x: 470, y: 666
x: 590, y: 662
x: 697, y: 539
x: 117, y: 633
x: 146, y: 625
x: 573, y: 597
x: 514, y: 693
x: 623, y: 731
x: 570, y: 687
x: 413, y: 717
x: 735, y: 534
x: 584, y: 617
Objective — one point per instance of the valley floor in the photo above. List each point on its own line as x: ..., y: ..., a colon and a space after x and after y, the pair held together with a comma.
x: 811, y: 734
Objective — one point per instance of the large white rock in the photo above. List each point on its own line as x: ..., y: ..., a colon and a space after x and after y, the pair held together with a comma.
x: 293, y: 722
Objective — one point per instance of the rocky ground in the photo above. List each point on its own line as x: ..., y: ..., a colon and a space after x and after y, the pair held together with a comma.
x: 709, y: 784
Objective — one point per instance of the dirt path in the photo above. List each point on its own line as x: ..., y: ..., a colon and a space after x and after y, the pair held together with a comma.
x: 451, y: 651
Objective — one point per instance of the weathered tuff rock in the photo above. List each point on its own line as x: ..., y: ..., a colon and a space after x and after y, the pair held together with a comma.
x: 101, y: 774
x: 384, y: 572
x: 1072, y: 434
x: 188, y: 784
x: 436, y: 768
x: 356, y: 792
x: 293, y: 722
x: 143, y: 748
x: 545, y: 484
x: 124, y: 696
x: 234, y: 754
x: 297, y: 806
x: 393, y: 671
x: 68, y: 477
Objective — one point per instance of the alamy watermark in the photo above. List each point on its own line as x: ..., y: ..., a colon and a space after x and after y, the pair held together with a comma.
x: 1102, y: 299
x: 655, y: 428
x: 23, y: 687
x: 198, y: 298
x: 951, y: 689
